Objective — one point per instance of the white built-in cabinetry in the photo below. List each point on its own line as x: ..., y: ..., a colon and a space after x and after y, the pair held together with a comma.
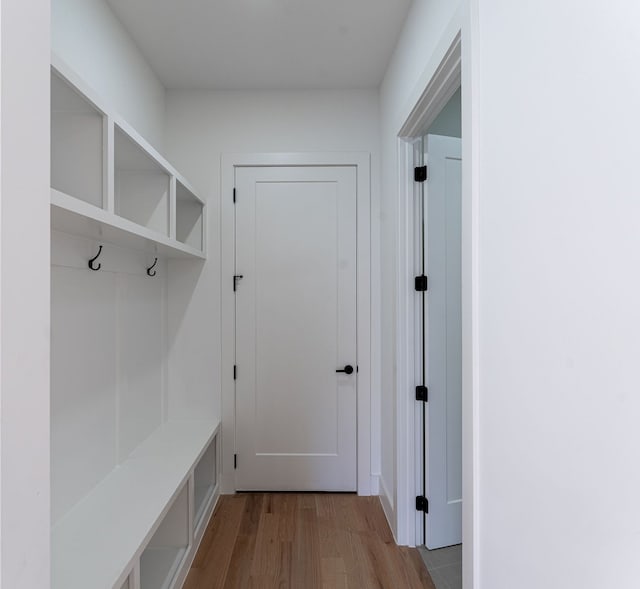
x: 109, y: 184
x: 132, y: 489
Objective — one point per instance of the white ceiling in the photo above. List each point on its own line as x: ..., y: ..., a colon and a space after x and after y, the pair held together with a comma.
x: 265, y: 44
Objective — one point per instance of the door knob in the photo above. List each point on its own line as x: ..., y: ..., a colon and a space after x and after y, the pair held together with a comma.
x: 348, y: 369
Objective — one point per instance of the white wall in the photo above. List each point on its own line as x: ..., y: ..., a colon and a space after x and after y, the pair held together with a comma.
x: 200, y: 127
x: 91, y: 40
x: 403, y: 83
x: 24, y: 295
x: 559, y: 319
x: 553, y: 189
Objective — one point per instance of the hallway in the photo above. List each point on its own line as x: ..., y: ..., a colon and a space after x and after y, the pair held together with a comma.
x: 303, y: 541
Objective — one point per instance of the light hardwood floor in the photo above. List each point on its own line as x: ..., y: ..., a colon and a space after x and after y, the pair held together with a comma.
x: 303, y: 541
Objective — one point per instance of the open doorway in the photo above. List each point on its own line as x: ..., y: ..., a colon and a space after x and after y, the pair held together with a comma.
x: 438, y: 342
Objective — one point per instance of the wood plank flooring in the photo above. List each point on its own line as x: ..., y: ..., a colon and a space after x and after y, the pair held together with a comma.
x: 303, y: 541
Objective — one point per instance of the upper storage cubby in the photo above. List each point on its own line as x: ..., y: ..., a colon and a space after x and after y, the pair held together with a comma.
x: 77, y: 144
x: 142, y: 185
x: 189, y: 221
x: 109, y: 184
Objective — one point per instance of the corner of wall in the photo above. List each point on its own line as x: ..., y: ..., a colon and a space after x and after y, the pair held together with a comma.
x: 25, y: 511
x: 386, y: 498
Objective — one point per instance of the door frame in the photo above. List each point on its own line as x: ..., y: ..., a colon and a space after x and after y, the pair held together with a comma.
x: 451, y: 67
x: 441, y: 86
x: 422, y: 417
x: 367, y: 483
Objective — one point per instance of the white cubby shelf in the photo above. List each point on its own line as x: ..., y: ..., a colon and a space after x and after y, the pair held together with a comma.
x: 138, y: 523
x: 109, y: 184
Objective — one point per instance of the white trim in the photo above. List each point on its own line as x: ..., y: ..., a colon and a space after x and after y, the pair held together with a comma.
x: 386, y: 499
x: 415, y: 308
x: 134, y: 577
x: 375, y: 484
x: 442, y: 86
x: 361, y: 161
x: 440, y: 81
x: 470, y: 303
x: 405, y: 406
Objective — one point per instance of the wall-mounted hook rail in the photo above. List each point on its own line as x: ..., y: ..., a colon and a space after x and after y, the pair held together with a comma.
x: 91, y: 265
x: 150, y: 269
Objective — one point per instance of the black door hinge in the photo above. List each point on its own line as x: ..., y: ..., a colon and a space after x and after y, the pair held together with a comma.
x: 422, y: 283
x: 234, y: 195
x: 235, y: 461
x: 236, y: 279
x: 422, y: 393
x: 420, y: 173
x: 235, y: 372
x: 422, y: 504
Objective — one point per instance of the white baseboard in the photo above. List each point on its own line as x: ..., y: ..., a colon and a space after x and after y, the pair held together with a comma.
x: 228, y: 484
x: 387, y: 501
x: 375, y: 484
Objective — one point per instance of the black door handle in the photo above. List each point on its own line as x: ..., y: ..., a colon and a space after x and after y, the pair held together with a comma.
x: 348, y: 369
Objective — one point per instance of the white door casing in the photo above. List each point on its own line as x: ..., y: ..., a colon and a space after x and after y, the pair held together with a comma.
x: 443, y: 193
x: 295, y: 325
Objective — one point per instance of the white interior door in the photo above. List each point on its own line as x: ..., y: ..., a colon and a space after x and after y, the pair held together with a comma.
x: 295, y: 326
x: 444, y: 341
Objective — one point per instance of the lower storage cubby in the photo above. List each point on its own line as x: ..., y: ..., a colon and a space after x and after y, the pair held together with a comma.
x: 139, y: 517
x: 166, y: 550
x: 205, y: 480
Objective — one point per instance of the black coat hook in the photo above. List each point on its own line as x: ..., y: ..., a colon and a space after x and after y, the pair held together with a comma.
x: 92, y: 260
x: 150, y: 269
